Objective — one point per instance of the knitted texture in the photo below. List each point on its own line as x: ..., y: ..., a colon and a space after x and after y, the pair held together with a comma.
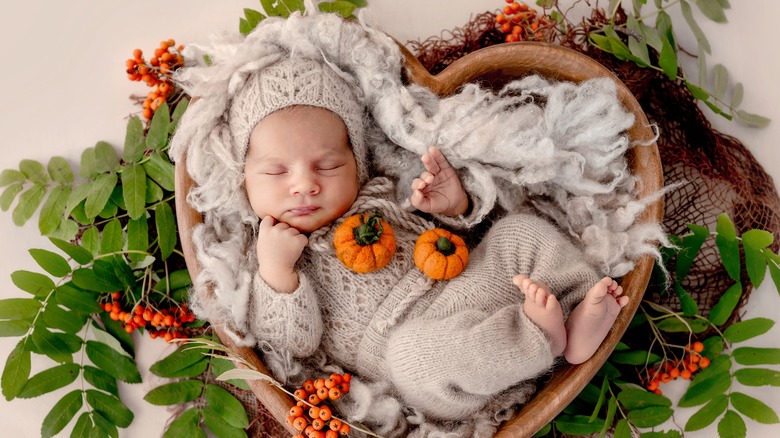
x: 297, y: 81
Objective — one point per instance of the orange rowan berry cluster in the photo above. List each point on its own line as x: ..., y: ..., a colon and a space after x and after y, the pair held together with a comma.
x: 684, y: 368
x: 312, y: 416
x: 156, y: 73
x: 166, y: 323
x: 521, y: 23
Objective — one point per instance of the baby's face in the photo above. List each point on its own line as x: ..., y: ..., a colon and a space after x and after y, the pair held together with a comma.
x: 300, y: 168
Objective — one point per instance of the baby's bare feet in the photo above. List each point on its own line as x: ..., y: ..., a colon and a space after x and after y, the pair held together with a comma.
x: 543, y: 309
x: 591, y: 320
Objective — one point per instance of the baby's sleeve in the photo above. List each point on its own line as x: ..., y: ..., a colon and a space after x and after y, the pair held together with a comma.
x: 289, y: 322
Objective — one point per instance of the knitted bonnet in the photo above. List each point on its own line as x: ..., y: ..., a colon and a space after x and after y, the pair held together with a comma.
x: 298, y: 81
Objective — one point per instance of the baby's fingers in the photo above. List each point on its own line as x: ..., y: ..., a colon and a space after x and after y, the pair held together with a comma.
x: 432, y: 159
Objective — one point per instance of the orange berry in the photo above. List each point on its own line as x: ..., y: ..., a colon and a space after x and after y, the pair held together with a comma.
x: 299, y: 423
x: 685, y: 374
x: 344, y: 387
x: 153, y: 334
x: 129, y: 328
x: 314, y: 412
x: 330, y: 383
x: 154, y: 61
x: 338, y: 378
x: 301, y: 394
x: 308, y: 386
x: 115, y: 296
x: 674, y: 373
x: 167, y: 56
x: 291, y: 419
x: 164, y: 67
x: 658, y: 391
x: 665, y: 377
x: 171, y: 42
x: 317, y: 434
x: 347, y: 377
x: 501, y: 19
x: 317, y: 424
x: 334, y: 394
x: 515, y: 7
x: 168, y: 336
x: 138, y: 319
x: 107, y: 307
x: 698, y: 347
x: 137, y: 53
x: 517, y: 30
x: 308, y: 431
x: 298, y: 435
x: 534, y: 25
x: 138, y: 310
x: 704, y: 362
x: 325, y: 413
x: 147, y: 316
x: 296, y: 411
x: 314, y: 399
x: 695, y: 358
x: 510, y: 1
x: 322, y: 393
x: 653, y: 385
x: 335, y: 424
x: 511, y: 38
x: 331, y: 434
x: 319, y: 383
x: 506, y: 27
x: 693, y: 367
x: 507, y: 10
x: 345, y: 429
x: 168, y: 320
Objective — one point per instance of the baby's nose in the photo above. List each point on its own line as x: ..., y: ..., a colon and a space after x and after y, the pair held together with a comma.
x: 305, y: 185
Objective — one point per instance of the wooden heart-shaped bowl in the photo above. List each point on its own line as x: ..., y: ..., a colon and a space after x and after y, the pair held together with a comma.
x: 494, y: 66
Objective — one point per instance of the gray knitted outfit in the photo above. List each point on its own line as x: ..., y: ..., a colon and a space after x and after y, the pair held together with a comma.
x: 448, y: 347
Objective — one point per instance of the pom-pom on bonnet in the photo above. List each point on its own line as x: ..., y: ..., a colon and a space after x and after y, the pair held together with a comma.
x: 297, y: 81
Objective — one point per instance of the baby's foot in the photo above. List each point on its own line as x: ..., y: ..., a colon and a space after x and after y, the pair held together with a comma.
x: 591, y: 320
x: 543, y: 309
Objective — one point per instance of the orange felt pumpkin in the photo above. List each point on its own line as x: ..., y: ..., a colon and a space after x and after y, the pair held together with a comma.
x: 364, y: 242
x: 440, y: 254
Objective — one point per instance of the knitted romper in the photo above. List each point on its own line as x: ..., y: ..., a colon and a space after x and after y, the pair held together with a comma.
x: 448, y: 347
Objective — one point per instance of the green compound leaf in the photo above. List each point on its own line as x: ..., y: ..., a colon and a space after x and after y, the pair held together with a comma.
x: 101, y: 380
x: 19, y: 308
x: 16, y: 371
x: 33, y: 282
x: 29, y: 201
x: 219, y: 426
x: 757, y: 356
x: 728, y: 246
x: 753, y: 408
x: 79, y: 254
x: 134, y: 190
x: 175, y: 393
x: 725, y: 306
x: 166, y: 229
x: 748, y: 329
x: 61, y: 414
x: 110, y: 407
x: 706, y: 390
x: 134, y: 147
x: 758, y: 377
x: 99, y: 193
x: 226, y: 406
x: 732, y: 425
x: 50, y: 380
x: 184, y: 362
x: 115, y: 364
x: 51, y: 262
x: 185, y: 425
x: 51, y: 215
x: 650, y: 417
x: 708, y: 413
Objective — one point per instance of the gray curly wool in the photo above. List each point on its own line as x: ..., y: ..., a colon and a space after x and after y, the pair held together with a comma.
x: 552, y: 146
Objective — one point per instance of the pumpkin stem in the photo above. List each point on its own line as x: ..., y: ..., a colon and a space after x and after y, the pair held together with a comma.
x: 369, y: 230
x: 445, y: 246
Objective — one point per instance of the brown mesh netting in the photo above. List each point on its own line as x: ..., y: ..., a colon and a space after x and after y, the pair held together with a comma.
x: 718, y: 173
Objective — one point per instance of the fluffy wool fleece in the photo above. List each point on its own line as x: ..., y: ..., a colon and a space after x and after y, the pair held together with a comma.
x: 555, y: 147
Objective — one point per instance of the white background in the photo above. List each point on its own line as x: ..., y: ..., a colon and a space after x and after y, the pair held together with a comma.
x: 64, y: 88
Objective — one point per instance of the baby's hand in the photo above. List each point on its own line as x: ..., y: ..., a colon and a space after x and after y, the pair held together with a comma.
x: 279, y: 246
x: 438, y: 189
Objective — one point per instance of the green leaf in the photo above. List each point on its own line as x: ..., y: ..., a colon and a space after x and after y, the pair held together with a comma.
x: 725, y: 306
x: 33, y: 282
x: 29, y: 201
x: 253, y: 17
x: 576, y: 425
x: 34, y: 171
x: 75, y: 201
x: 100, y: 380
x: 174, y: 280
x: 52, y: 210
x: 219, y: 426
x: 639, y: 399
x: 166, y: 229
x: 757, y: 356
x: 712, y: 10
x: 60, y: 171
x: 675, y: 325
x: 106, y: 338
x: 50, y: 380
x: 226, y: 406
x: 61, y: 414
x: 90, y: 240
x: 650, y: 417
x: 688, y: 304
x: 99, y: 194
x: 748, y: 329
x: 181, y: 107
x: 51, y: 262
x: 154, y: 193
x: 58, y: 346
x: 728, y: 246
x: 83, y: 427
x: 750, y: 119
x: 175, y: 393
x: 10, y: 176
x: 16, y: 371
x: 9, y: 194
x: 754, y: 241
x: 721, y: 364
x: 134, y: 190
x: 116, y: 330
x: 187, y: 424
x: 636, y: 43
x: 14, y: 329
x: 137, y: 238
x: 112, y: 240
x: 157, y: 137
x: 106, y: 159
x: 705, y: 390
x: 77, y: 299
x: 634, y: 357
x: 708, y: 414
x: 610, y: 420
x: 667, y: 60
x: 160, y: 169
x: 737, y: 95
x: 79, y: 254
x: 219, y: 366
x: 67, y: 230
x: 104, y: 425
x: 115, y: 364
x: 758, y: 377
x: 689, y: 249
x: 88, y: 165
x: 701, y: 39
x: 88, y: 279
x: 342, y: 7
x: 134, y: 141
x: 19, y: 308
x: 732, y: 426
x: 69, y: 322
x: 753, y: 408
x: 721, y: 80
x: 110, y: 407
x: 184, y: 362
